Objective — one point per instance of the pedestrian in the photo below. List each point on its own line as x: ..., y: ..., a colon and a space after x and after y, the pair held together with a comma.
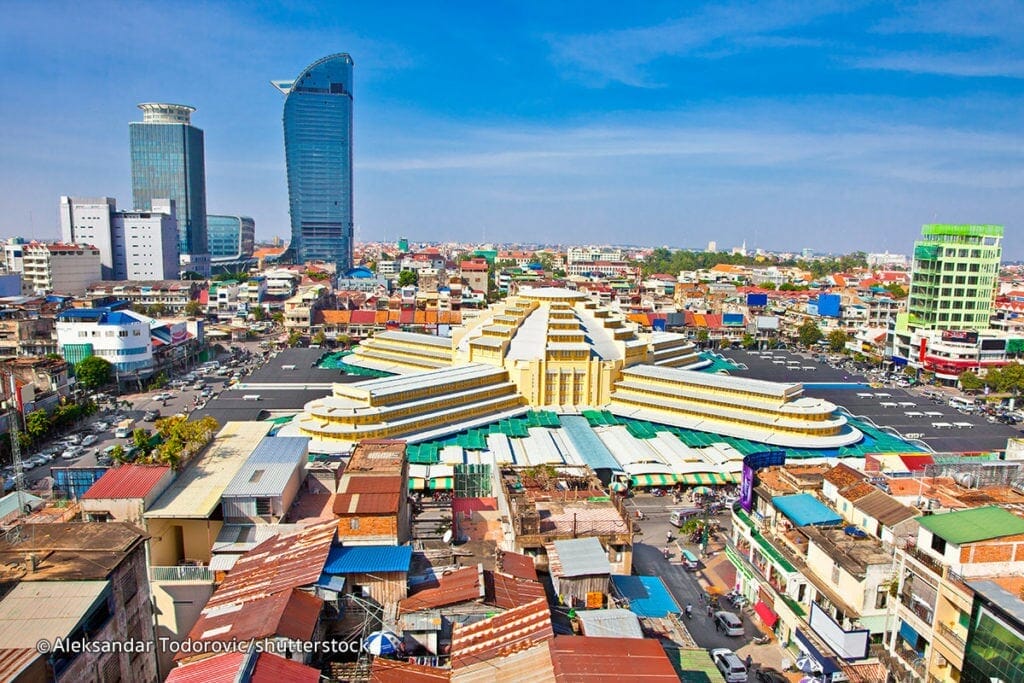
x: 718, y: 627
x: 749, y: 661
x: 711, y: 611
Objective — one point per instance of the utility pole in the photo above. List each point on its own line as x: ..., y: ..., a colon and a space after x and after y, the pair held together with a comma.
x: 12, y: 421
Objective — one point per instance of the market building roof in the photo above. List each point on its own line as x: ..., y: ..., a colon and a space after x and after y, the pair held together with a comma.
x: 971, y: 526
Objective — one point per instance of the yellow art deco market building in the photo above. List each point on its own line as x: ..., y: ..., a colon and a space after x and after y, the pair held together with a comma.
x: 557, y: 349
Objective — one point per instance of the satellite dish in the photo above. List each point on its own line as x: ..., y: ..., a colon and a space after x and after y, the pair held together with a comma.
x: 447, y: 538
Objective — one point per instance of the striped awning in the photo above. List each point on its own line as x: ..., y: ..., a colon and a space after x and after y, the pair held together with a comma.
x: 417, y: 484
x: 441, y: 484
x: 642, y: 480
x: 703, y: 479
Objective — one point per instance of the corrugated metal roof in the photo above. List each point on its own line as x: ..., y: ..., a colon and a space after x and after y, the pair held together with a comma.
x: 507, y: 591
x: 579, y: 658
x: 361, y: 559
x: 225, y: 668
x: 610, y: 623
x: 288, y: 614
x: 12, y: 501
x: 501, y: 635
x: 196, y: 493
x: 276, y: 565
x: 582, y: 557
x: 461, y: 585
x: 883, y: 507
x: 396, y: 671
x: 13, y: 661
x: 270, y: 467
x: 127, y: 481
x: 518, y: 565
x: 804, y: 509
x: 367, y: 503
x: 370, y: 483
x: 971, y: 526
x: 38, y: 610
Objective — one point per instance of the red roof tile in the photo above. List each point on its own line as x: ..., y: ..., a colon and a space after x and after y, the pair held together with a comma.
x: 363, y: 317
x: 585, y: 659
x: 224, y: 668
x: 501, y: 635
x: 407, y: 317
x: 367, y: 503
x: 461, y: 585
x: 126, y: 481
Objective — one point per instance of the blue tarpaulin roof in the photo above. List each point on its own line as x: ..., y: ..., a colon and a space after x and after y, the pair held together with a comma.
x: 803, y: 509
x: 647, y: 595
x: 362, y: 559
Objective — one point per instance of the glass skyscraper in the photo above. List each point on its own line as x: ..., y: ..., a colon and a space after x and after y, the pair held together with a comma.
x: 318, y: 153
x: 168, y: 160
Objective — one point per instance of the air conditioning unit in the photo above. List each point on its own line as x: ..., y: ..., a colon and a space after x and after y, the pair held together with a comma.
x: 940, y: 661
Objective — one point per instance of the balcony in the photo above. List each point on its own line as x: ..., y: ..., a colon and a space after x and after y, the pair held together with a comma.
x: 926, y: 560
x: 952, y: 636
x: 181, y: 573
x: 918, y: 607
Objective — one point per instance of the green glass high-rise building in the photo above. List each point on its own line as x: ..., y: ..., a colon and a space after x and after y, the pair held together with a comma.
x: 954, y: 278
x: 168, y: 161
x: 318, y: 154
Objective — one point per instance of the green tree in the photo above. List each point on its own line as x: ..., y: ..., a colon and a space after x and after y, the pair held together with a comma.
x: 896, y: 291
x: 94, y: 372
x: 194, y: 308
x: 37, y: 424
x: 294, y: 337
x: 156, y: 310
x: 748, y: 341
x: 702, y: 336
x: 407, y: 278
x: 277, y: 317
x: 117, y: 453
x: 319, y: 338
x: 141, y: 440
x: 970, y: 382
x: 809, y: 333
x: 159, y: 382
x: 837, y: 340
x: 258, y: 314
x: 344, y: 340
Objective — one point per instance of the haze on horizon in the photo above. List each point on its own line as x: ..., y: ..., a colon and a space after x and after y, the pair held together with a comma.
x: 834, y: 126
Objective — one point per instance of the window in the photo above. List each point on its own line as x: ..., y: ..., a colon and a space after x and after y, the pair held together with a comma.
x: 938, y: 544
x: 263, y: 508
x: 353, y: 523
x: 835, y: 574
x: 881, y: 597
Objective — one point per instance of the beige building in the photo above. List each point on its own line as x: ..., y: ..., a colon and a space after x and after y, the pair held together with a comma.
x: 59, y: 268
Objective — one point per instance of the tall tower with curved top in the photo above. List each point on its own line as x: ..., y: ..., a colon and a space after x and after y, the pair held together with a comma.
x: 318, y: 153
x: 168, y: 162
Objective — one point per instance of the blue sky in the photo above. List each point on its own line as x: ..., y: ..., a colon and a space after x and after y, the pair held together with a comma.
x: 834, y: 126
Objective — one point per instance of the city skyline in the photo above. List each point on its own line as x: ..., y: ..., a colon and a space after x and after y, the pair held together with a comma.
x: 834, y: 127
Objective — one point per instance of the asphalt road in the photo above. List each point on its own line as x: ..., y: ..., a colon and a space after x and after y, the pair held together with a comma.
x: 648, y: 559
x: 182, y: 401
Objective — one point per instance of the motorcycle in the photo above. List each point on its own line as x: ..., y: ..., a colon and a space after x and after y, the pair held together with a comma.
x: 665, y: 551
x: 761, y: 640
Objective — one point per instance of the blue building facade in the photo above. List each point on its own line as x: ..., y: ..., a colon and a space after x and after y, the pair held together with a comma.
x: 168, y: 161
x: 318, y: 153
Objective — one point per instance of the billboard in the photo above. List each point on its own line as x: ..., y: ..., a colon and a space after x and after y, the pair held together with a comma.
x: 752, y: 463
x: 828, y: 305
x: 732, y: 319
x: 960, y: 336
x: 658, y: 324
x: 179, y: 332
x: 850, y: 645
x: 767, y: 322
x: 755, y: 300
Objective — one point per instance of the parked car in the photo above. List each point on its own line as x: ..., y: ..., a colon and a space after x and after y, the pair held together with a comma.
x: 100, y: 427
x: 163, y: 396
x: 150, y: 415
x: 90, y: 440
x: 39, y: 460
x: 73, y: 439
x: 71, y: 453
x: 729, y: 623
x: 731, y: 666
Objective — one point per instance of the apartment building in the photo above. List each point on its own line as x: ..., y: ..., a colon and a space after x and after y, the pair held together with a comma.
x: 59, y: 268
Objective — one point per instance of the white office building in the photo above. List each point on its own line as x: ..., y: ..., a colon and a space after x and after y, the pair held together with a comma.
x: 120, y: 337
x: 133, y: 245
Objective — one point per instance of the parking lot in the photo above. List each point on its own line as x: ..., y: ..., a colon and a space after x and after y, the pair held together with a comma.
x: 904, y: 410
x: 181, y: 398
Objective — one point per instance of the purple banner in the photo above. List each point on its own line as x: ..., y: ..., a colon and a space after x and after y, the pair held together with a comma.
x: 747, y: 488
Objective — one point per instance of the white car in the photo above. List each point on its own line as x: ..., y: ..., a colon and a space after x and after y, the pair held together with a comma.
x: 731, y: 666
x: 73, y: 439
x: 90, y: 440
x: 728, y: 623
x: 163, y: 396
x: 71, y: 453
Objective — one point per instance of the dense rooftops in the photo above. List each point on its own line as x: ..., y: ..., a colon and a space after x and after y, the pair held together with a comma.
x: 971, y: 526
